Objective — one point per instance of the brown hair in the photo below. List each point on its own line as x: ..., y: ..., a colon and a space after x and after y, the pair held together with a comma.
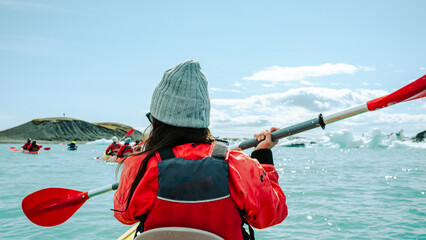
x: 164, y: 136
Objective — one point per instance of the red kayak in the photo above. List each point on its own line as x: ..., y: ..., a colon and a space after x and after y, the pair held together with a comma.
x: 111, y: 158
x: 32, y: 152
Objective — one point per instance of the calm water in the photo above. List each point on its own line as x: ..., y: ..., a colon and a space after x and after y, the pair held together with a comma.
x: 332, y: 193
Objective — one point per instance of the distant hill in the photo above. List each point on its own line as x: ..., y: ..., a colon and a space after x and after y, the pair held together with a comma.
x: 62, y: 129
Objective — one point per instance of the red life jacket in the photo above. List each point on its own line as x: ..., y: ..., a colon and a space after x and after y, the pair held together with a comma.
x: 124, y: 149
x: 115, y: 146
x: 32, y: 148
x: 26, y: 145
x: 127, y: 149
x: 195, y: 194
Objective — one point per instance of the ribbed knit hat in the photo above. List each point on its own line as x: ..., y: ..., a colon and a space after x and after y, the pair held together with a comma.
x: 181, y: 98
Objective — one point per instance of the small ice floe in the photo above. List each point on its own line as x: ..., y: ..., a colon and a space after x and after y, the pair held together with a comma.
x: 309, y: 217
x: 296, y: 142
x: 390, y: 177
x: 373, y: 139
x: 407, y: 144
x: 100, y: 142
x: 344, y: 139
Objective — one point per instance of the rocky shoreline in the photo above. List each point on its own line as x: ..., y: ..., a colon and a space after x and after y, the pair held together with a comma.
x: 62, y: 129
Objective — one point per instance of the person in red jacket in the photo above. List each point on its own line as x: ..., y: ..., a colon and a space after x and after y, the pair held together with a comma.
x: 34, y: 147
x: 125, y: 149
x: 27, y: 144
x: 138, y: 145
x: 185, y: 177
x: 114, y: 147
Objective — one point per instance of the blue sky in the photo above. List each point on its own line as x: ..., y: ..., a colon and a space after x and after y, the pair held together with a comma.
x: 268, y: 63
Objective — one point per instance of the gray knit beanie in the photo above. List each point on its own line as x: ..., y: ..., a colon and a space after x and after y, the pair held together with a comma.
x: 181, y: 98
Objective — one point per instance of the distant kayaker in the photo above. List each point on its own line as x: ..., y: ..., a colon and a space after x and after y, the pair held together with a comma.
x: 27, y: 144
x: 34, y: 147
x: 113, y: 147
x: 71, y: 144
x: 187, y: 178
x: 138, y: 145
x: 125, y: 149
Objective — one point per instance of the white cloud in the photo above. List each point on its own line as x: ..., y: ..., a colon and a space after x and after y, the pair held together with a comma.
x: 284, y: 74
x: 303, y: 82
x: 243, y: 117
x: 269, y: 85
x: 365, y: 68
x: 308, y: 98
x: 224, y: 90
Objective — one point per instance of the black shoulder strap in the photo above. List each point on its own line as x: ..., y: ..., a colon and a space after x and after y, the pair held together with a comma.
x: 166, y: 154
x: 220, y: 149
x: 141, y: 226
x: 246, y: 235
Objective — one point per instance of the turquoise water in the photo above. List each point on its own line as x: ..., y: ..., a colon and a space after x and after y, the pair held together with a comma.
x: 332, y: 193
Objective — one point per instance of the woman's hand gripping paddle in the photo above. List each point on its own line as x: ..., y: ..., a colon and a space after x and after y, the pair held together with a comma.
x: 127, y: 134
x: 53, y: 206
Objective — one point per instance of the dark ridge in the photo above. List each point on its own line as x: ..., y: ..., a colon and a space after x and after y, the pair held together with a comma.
x: 65, y: 129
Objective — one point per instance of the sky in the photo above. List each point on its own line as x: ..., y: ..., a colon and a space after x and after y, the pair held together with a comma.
x: 268, y: 63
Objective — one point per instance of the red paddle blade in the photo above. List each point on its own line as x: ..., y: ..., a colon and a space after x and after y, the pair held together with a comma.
x: 414, y: 90
x: 129, y: 132
x: 47, y: 148
x: 15, y: 150
x: 420, y: 95
x: 11, y: 147
x: 52, y: 206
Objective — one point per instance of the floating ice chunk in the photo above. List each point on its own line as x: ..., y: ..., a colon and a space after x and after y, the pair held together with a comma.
x: 345, y: 139
x: 102, y: 141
